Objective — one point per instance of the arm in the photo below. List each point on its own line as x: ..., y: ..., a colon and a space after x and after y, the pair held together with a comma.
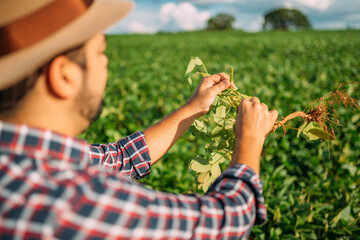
x: 102, y: 206
x: 133, y: 155
x: 129, y: 156
x: 161, y: 136
x: 253, y: 124
x: 228, y: 210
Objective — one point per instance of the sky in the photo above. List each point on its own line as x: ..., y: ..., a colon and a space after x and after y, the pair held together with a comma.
x: 152, y: 16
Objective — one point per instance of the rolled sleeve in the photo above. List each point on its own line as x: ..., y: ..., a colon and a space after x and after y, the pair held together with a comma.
x: 130, y: 156
x: 249, y: 186
x: 109, y: 210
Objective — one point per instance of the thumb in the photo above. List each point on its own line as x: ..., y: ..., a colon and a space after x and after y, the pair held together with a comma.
x: 219, y: 87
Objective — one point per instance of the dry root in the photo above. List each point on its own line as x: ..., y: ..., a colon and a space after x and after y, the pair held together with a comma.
x: 323, y: 110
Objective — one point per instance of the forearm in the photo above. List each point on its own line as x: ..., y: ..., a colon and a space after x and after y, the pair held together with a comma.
x: 161, y: 136
x: 247, y: 151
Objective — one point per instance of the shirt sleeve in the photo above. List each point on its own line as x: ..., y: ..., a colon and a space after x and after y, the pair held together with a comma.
x: 127, y: 210
x: 130, y: 156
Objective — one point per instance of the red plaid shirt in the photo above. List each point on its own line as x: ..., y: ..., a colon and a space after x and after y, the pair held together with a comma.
x: 50, y: 189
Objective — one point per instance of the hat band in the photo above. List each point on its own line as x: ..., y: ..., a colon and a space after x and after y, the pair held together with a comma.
x: 40, y: 24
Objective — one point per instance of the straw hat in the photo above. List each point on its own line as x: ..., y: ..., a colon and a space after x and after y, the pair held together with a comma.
x: 33, y: 32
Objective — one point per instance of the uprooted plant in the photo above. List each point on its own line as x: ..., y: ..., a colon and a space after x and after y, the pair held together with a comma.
x: 319, y: 122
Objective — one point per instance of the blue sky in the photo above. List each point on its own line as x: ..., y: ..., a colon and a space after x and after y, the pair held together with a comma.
x: 151, y: 16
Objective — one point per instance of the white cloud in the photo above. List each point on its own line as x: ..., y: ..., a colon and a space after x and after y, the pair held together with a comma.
x: 238, y: 24
x: 288, y: 4
x: 138, y: 21
x: 184, y: 16
x: 187, y: 15
x: 139, y: 27
x: 255, y: 25
x: 320, y: 5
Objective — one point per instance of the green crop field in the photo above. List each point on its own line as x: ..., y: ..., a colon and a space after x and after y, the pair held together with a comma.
x: 311, y: 189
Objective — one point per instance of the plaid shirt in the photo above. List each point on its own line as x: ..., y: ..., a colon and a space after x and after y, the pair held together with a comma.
x: 50, y: 190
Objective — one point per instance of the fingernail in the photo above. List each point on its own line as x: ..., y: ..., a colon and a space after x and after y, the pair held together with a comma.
x: 226, y: 83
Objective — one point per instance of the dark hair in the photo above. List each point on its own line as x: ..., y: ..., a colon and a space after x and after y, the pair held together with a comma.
x: 12, y: 96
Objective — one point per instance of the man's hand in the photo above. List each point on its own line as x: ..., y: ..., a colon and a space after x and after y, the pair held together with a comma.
x: 253, y: 123
x: 161, y: 136
x: 206, y: 92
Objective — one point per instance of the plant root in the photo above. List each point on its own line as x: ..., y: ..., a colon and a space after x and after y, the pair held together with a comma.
x: 323, y: 110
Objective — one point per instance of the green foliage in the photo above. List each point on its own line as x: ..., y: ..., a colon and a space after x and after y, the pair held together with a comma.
x: 286, y: 19
x: 222, y: 114
x: 221, y: 21
x: 313, y: 131
x: 309, y: 192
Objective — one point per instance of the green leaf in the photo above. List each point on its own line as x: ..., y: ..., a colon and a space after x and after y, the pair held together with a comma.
x: 198, y: 61
x: 200, y: 126
x: 310, y: 136
x: 222, y: 145
x: 217, y: 158
x: 200, y: 164
x: 301, y: 128
x: 344, y: 214
x: 203, y: 177
x: 189, y: 81
x: 215, y: 171
x: 191, y: 66
x: 206, y: 185
x: 321, y: 134
x: 194, y: 62
x: 220, y: 114
x: 314, y: 131
x: 216, y: 130
x: 227, y: 123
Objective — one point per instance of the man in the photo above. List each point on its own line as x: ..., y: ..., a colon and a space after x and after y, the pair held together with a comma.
x: 53, y: 76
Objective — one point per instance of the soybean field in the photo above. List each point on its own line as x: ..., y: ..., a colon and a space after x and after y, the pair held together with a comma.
x: 311, y: 188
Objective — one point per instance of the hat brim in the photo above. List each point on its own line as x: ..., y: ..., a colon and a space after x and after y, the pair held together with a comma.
x: 100, y: 15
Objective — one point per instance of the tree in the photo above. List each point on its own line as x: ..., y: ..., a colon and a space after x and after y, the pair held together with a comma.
x: 286, y: 19
x: 221, y: 21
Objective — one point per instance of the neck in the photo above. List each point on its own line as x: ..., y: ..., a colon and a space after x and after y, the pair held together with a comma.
x: 47, y: 113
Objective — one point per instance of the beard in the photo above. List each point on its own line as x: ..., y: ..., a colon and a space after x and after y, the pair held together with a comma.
x: 90, y: 109
x: 89, y: 106
x: 92, y: 114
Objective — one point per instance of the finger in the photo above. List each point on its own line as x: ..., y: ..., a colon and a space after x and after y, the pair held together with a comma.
x: 216, y: 78
x: 244, y: 100
x: 219, y: 87
x: 224, y: 76
x: 274, y: 114
x: 255, y: 100
x: 264, y: 106
x: 243, y: 103
x: 211, y: 80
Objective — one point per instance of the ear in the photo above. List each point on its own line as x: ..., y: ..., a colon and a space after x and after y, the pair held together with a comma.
x: 64, y: 77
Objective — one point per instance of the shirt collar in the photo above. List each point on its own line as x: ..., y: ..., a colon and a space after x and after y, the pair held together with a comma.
x: 44, y: 145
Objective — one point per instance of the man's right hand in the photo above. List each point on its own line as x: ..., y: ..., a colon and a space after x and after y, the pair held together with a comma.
x: 253, y: 123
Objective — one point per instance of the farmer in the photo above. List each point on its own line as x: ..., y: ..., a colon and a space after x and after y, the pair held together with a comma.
x: 53, y: 185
